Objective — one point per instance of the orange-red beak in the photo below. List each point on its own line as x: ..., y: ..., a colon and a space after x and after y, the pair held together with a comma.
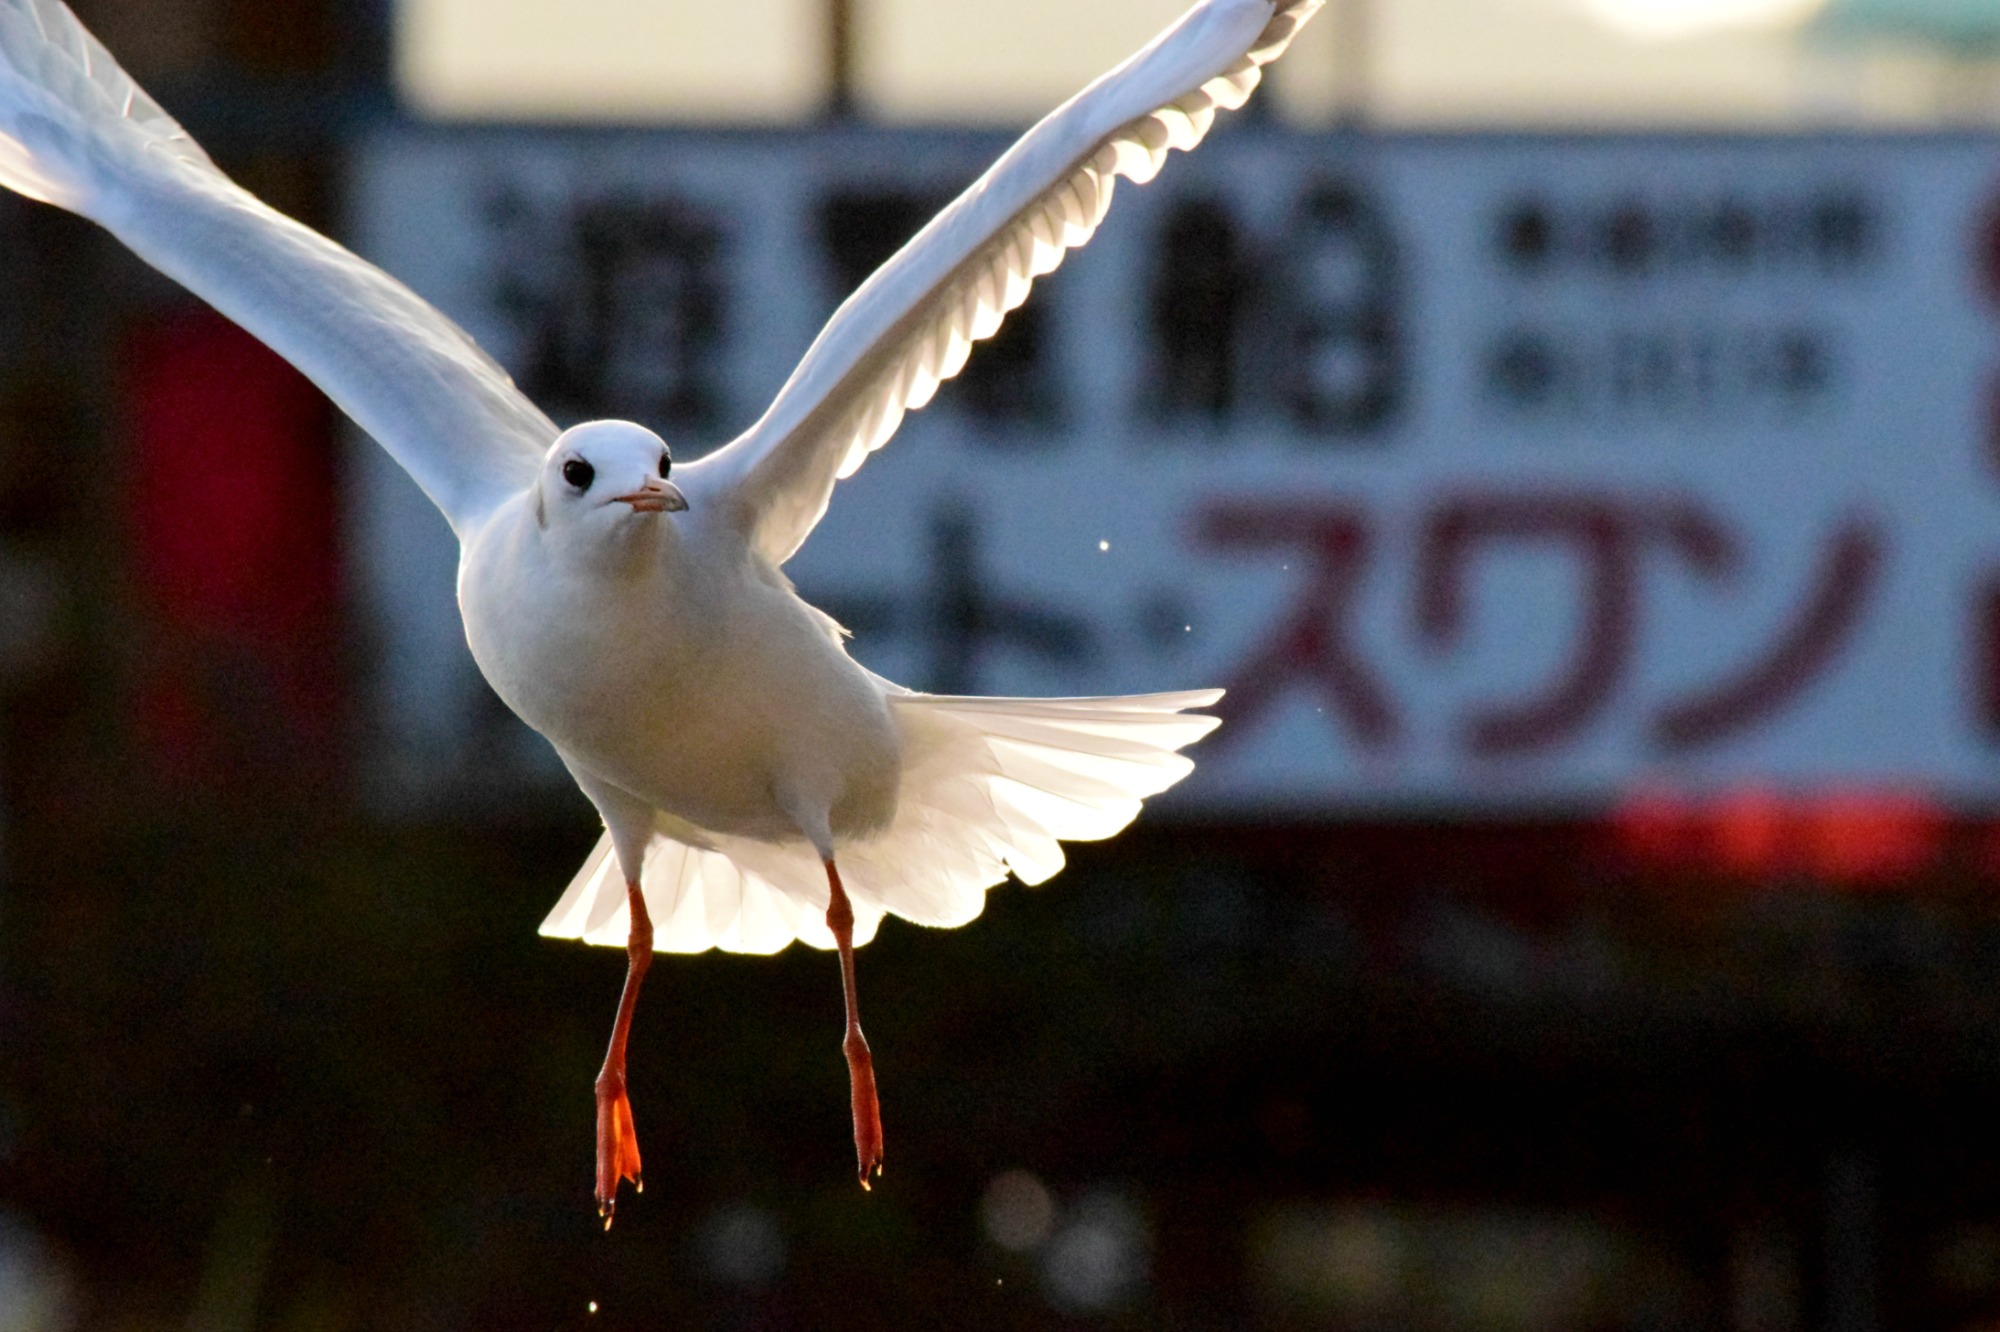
x: 656, y: 496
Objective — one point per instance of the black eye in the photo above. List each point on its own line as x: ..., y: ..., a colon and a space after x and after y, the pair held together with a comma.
x: 666, y: 463
x: 579, y: 473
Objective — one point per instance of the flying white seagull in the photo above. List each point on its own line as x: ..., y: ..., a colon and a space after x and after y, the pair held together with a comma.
x: 757, y: 785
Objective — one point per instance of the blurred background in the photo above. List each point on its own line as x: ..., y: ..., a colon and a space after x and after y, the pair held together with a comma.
x: 1571, y: 429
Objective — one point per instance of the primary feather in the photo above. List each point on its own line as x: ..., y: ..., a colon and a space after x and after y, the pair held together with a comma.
x: 911, y: 325
x: 76, y: 131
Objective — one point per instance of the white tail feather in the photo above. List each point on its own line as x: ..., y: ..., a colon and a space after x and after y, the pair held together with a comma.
x: 989, y: 786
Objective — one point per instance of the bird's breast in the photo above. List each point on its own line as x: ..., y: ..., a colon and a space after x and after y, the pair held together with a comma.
x: 718, y: 698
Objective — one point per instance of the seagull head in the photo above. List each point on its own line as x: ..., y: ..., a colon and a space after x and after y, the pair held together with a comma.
x: 608, y: 468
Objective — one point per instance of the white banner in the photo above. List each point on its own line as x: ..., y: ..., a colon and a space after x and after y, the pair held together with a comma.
x: 1490, y: 472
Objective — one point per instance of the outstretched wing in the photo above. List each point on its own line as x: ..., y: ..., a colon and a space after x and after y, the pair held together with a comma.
x: 76, y: 131
x: 911, y: 325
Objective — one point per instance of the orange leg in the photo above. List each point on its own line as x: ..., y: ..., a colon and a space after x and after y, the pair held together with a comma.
x: 860, y: 1063
x: 617, y: 1144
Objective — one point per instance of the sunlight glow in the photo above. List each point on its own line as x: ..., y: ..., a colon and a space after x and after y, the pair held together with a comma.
x: 1660, y: 19
x: 1566, y: 63
x: 635, y: 60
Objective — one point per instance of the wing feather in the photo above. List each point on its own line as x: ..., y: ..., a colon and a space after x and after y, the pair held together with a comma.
x: 955, y: 282
x: 76, y: 131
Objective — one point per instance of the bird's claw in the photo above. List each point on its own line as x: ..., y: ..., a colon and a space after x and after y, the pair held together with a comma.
x: 617, y: 1148
x: 868, y: 1148
x: 867, y: 1108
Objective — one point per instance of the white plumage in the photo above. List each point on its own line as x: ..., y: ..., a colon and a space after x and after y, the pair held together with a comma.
x: 988, y: 786
x: 911, y: 325
x: 643, y: 626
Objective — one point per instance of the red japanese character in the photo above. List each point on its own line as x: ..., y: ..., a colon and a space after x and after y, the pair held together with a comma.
x: 1312, y: 646
x: 1608, y: 535
x: 1801, y: 653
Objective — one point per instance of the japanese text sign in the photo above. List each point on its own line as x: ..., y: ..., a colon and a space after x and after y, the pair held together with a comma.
x: 1490, y: 472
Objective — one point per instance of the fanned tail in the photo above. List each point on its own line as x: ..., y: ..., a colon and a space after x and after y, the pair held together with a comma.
x: 990, y: 786
x: 704, y: 892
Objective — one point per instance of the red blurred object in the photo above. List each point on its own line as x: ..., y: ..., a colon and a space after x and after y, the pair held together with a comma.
x: 1748, y: 834
x: 1655, y: 827
x: 233, y: 540
x: 1872, y: 839
x: 1845, y: 838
